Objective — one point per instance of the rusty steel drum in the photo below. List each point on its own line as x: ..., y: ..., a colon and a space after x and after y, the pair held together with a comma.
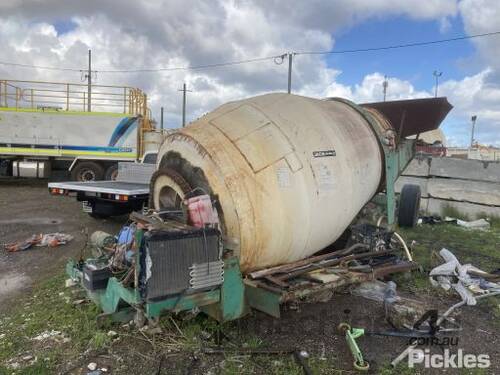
x: 287, y: 173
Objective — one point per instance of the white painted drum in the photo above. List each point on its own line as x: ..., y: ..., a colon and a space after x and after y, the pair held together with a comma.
x: 290, y: 173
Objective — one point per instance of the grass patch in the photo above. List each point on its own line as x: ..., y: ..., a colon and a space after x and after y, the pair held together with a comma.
x: 450, y: 211
x: 48, y: 310
x: 277, y: 365
x: 401, y: 369
x: 469, y: 246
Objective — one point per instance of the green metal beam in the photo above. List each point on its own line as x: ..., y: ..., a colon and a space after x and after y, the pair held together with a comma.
x: 263, y: 300
x: 184, y: 302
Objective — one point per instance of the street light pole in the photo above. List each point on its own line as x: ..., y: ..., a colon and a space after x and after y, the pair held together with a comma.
x: 473, y: 119
x: 437, y: 74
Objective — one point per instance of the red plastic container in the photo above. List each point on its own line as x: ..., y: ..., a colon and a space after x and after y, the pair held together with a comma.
x: 201, y: 211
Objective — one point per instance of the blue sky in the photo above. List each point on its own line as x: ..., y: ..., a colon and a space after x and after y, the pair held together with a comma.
x: 64, y: 26
x: 415, y: 64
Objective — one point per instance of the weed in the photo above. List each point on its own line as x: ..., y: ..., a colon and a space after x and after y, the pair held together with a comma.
x: 450, y: 211
x: 401, y: 369
x: 100, y: 340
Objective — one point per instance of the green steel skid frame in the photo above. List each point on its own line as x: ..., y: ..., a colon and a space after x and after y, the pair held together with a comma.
x: 234, y: 298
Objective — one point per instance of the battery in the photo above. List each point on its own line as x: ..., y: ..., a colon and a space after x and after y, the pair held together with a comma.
x: 95, y: 278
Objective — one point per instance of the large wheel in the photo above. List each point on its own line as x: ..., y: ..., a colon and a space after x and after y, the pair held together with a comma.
x: 409, y: 204
x: 167, y: 190
x: 111, y: 172
x: 87, y: 171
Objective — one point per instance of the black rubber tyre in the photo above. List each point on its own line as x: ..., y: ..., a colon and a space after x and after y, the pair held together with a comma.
x: 111, y: 172
x: 409, y: 204
x: 87, y: 171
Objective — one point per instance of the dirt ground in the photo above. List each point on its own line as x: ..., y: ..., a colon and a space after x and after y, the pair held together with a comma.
x: 27, y: 208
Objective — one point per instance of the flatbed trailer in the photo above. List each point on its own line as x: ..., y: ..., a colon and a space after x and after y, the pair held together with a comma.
x: 129, y: 192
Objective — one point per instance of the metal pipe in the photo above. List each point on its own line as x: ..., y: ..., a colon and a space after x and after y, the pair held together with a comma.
x: 407, y: 251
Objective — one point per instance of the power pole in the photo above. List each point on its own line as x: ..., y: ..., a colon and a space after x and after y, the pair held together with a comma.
x: 385, y: 84
x: 437, y: 75
x: 290, y: 61
x: 88, y: 77
x: 473, y: 119
x: 184, y: 91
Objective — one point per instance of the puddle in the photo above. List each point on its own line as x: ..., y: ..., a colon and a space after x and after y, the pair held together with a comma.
x: 32, y: 221
x: 12, y: 282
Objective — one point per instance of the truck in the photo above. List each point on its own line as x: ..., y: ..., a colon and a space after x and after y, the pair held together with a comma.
x: 101, y: 199
x: 80, y: 128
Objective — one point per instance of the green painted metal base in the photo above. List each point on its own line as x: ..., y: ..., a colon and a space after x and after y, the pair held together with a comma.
x: 232, y: 294
x: 224, y: 303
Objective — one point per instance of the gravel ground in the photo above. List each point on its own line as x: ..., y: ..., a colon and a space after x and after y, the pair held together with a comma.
x: 27, y: 209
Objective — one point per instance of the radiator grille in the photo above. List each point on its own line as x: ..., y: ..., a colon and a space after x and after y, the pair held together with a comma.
x: 169, y: 258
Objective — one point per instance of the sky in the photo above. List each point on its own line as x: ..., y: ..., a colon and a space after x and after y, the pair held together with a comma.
x: 127, y: 35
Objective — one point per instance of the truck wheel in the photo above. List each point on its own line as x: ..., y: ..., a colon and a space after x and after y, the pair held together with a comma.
x: 87, y: 171
x: 111, y: 173
x: 409, y: 204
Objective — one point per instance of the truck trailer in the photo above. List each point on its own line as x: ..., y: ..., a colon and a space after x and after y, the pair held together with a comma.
x: 46, y: 126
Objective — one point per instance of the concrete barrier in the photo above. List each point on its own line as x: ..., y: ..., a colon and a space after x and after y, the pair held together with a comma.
x: 470, y: 186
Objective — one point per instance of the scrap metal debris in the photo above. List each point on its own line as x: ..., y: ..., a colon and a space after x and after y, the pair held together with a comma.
x: 371, y: 253
x: 39, y: 240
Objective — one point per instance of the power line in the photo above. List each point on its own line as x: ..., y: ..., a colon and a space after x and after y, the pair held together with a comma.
x: 259, y: 59
x: 148, y: 70
x: 195, y: 67
x: 39, y: 67
x: 397, y: 46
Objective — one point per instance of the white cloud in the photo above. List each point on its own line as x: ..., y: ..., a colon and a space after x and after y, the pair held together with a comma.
x: 444, y: 25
